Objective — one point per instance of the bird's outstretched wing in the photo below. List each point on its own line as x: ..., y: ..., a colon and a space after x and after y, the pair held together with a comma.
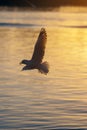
x: 39, y: 49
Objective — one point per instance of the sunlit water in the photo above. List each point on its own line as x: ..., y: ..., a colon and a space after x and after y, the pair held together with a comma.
x: 30, y: 100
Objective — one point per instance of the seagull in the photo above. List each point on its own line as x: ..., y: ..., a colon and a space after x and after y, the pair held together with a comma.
x: 38, y: 54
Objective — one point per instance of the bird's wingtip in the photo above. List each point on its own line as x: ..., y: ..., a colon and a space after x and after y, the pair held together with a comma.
x: 43, y: 29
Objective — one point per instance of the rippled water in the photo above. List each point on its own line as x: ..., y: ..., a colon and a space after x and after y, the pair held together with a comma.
x: 30, y: 100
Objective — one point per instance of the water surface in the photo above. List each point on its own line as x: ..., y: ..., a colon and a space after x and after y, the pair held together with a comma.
x: 30, y: 100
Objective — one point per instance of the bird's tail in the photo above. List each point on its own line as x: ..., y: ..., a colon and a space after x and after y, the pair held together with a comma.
x: 43, y: 67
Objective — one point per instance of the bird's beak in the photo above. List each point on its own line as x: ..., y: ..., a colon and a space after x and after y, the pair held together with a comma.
x: 22, y: 69
x: 20, y: 63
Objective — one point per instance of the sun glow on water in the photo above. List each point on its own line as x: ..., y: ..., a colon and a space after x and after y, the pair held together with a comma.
x: 30, y: 100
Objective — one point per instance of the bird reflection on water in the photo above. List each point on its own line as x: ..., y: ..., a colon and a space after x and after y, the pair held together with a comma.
x: 39, y: 50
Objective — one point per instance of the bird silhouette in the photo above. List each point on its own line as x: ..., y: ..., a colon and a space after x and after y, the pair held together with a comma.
x: 38, y: 54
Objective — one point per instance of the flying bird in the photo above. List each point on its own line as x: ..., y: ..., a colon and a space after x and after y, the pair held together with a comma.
x: 38, y: 54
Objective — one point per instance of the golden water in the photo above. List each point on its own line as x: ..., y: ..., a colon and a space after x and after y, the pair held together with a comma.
x: 30, y: 100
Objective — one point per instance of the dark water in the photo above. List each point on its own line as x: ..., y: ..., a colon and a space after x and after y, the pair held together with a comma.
x: 30, y: 100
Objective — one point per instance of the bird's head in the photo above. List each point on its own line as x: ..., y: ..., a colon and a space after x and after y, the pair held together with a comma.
x: 24, y: 62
